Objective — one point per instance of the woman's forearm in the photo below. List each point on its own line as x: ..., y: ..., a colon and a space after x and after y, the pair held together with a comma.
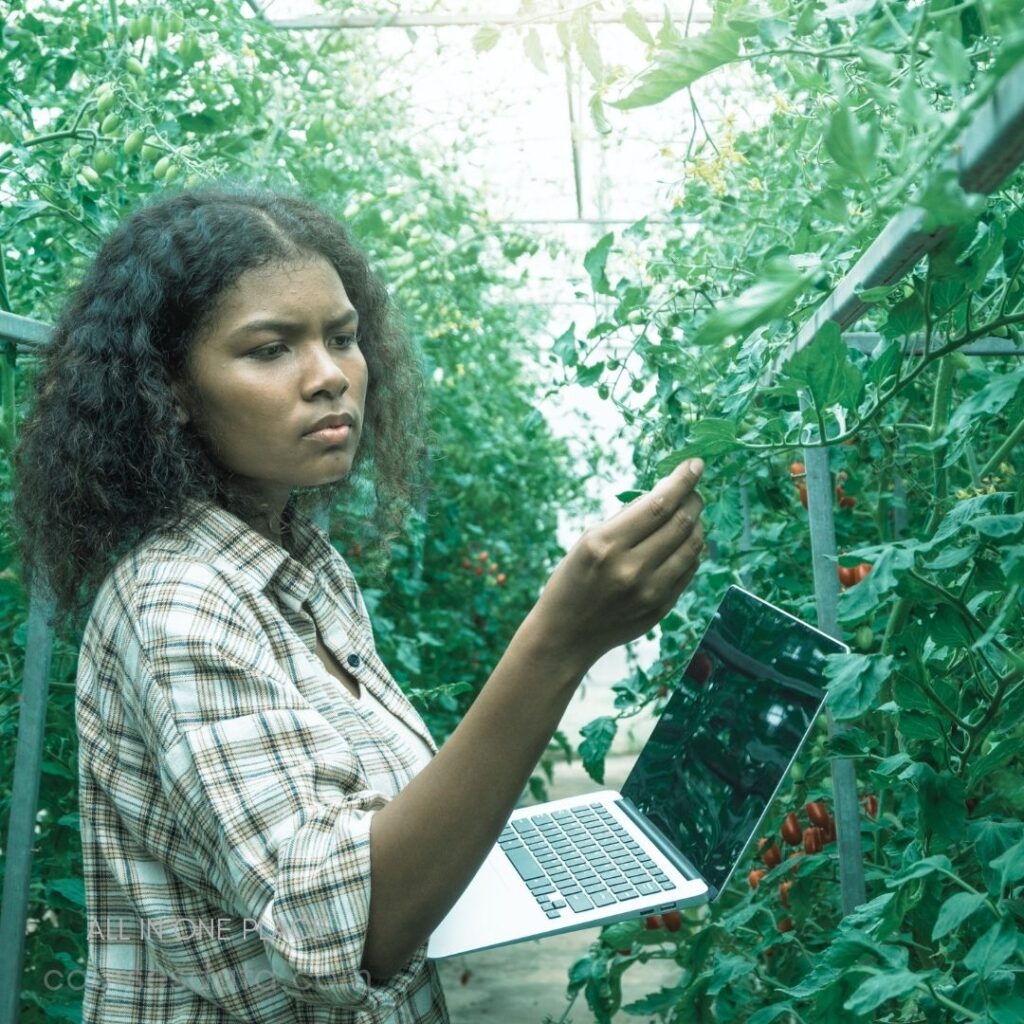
x: 429, y: 841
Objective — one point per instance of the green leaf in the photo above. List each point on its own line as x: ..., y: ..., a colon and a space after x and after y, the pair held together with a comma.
x: 919, y: 869
x: 955, y: 911
x: 854, y: 683
x: 771, y: 296
x: 72, y: 889
x: 945, y: 203
x: 974, y: 412
x: 825, y: 369
x: 598, y: 736
x: 594, y: 263
x: 535, y: 51
x: 949, y: 61
x: 681, y: 65
x: 993, y: 949
x: 904, y: 318
x: 587, y: 46
x: 880, y: 988
x: 1010, y: 864
x: 706, y: 437
x: 999, y: 527
x: 591, y: 374
x: 485, y: 38
x: 940, y: 798
x: 564, y: 346
x: 849, y: 145
x: 859, y: 602
x: 636, y: 24
x: 657, y: 1002
x: 727, y: 969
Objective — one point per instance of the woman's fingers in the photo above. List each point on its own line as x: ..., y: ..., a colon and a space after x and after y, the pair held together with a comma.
x: 647, y: 514
x: 671, y: 536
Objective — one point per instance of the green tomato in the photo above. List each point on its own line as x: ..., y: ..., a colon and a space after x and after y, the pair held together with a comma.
x: 602, y: 391
x: 864, y: 638
x: 110, y: 124
x: 90, y: 176
x: 104, y: 161
x: 134, y: 142
x: 796, y: 773
x: 134, y: 65
x: 151, y: 149
x: 104, y: 102
x: 161, y: 166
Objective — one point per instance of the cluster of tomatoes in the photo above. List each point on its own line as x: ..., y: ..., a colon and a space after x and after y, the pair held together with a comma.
x: 798, y: 472
x: 818, y: 833
x: 478, y: 570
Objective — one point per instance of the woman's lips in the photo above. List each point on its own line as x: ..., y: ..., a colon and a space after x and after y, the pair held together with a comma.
x: 331, y: 435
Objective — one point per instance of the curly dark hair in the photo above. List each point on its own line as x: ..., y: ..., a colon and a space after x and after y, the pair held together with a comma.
x: 102, y: 458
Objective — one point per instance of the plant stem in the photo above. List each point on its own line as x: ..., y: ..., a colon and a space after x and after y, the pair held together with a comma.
x: 1003, y: 450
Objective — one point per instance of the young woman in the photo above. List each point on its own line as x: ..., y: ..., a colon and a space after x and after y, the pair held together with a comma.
x: 269, y: 833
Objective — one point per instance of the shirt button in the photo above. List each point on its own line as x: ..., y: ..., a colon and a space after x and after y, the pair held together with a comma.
x: 353, y: 660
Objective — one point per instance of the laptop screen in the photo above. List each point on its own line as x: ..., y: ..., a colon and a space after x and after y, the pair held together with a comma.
x: 730, y: 732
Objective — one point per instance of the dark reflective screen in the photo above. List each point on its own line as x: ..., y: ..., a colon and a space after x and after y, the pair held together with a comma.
x: 729, y: 733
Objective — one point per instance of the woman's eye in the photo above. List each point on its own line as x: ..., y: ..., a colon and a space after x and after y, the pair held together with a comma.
x: 345, y: 340
x: 267, y: 351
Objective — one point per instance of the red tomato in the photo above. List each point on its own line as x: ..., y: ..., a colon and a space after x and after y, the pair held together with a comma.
x: 862, y: 570
x: 652, y: 922
x: 700, y: 668
x: 755, y: 876
x: 797, y: 469
x: 673, y: 920
x: 802, y: 491
x: 814, y: 839
x: 483, y: 556
x: 791, y: 830
x: 772, y: 855
x: 830, y: 830
x: 870, y: 805
x: 467, y: 564
x: 785, y: 924
x: 784, y: 893
x: 847, y: 502
x: 500, y: 579
x: 847, y: 576
x: 818, y: 813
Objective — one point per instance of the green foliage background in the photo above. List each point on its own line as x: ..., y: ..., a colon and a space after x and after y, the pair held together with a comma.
x: 867, y: 100
x: 105, y: 105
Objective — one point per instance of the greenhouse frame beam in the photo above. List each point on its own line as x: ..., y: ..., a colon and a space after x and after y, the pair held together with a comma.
x: 988, y: 150
x: 370, y: 21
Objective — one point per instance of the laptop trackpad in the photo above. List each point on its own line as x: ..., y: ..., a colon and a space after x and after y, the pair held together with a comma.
x: 491, y: 910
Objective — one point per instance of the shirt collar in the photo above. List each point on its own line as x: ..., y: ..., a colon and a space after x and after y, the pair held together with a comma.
x: 230, y: 538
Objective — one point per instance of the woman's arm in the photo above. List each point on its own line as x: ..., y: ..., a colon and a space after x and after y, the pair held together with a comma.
x: 426, y: 845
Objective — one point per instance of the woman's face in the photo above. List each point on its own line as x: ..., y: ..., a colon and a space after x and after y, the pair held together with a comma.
x: 278, y: 356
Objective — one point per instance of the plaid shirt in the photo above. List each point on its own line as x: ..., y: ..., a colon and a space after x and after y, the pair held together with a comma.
x: 225, y: 807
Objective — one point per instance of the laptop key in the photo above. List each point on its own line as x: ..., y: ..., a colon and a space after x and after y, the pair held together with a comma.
x: 648, y: 888
x: 667, y: 884
x: 523, y: 862
x: 540, y: 888
x: 579, y: 902
x: 554, y: 913
x: 602, y: 898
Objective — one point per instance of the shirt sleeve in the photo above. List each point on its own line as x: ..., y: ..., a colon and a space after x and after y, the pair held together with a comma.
x: 268, y: 790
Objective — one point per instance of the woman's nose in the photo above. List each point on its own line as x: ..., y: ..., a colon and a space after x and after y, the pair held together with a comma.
x: 323, y: 371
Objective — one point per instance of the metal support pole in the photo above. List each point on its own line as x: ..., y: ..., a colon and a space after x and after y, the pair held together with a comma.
x: 826, y: 593
x: 24, y: 800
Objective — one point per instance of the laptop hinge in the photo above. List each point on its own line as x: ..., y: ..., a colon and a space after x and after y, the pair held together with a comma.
x: 655, y: 835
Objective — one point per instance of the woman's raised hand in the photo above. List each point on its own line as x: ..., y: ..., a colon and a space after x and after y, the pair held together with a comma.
x: 625, y: 575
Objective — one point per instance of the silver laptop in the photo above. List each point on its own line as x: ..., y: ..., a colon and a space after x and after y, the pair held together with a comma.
x: 691, y: 806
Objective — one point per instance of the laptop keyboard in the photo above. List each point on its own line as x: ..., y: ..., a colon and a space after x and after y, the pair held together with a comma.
x: 576, y: 860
